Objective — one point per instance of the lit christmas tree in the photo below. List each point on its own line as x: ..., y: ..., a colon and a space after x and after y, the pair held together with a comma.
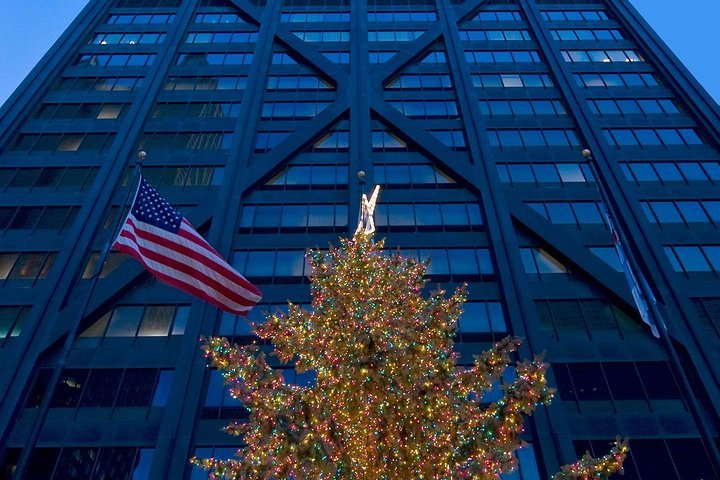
x: 389, y: 401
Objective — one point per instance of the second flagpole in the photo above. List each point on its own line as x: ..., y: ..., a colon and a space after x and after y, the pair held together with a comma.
x: 654, y: 309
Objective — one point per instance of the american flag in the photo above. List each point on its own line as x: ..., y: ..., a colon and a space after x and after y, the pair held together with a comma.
x: 641, y: 302
x: 170, y: 248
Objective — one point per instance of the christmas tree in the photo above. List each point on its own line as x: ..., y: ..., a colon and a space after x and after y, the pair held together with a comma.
x: 389, y: 401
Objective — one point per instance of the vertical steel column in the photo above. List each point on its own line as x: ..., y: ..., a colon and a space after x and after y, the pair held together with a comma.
x: 548, y: 421
x: 180, y: 421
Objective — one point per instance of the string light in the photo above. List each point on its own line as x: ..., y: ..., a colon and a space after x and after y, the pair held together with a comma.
x: 389, y: 401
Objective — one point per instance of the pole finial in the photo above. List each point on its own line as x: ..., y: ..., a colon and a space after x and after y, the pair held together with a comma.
x: 586, y: 153
x: 142, y: 154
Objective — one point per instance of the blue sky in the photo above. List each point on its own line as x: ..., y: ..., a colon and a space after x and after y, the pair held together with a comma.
x: 28, y: 28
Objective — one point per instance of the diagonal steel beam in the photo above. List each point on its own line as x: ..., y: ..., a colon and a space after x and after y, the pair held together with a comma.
x: 409, y: 52
x: 468, y: 7
x: 311, y: 57
x: 281, y: 154
x: 558, y: 243
x: 428, y: 144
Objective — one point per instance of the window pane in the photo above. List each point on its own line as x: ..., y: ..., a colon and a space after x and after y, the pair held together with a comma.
x: 156, y: 321
x: 124, y: 322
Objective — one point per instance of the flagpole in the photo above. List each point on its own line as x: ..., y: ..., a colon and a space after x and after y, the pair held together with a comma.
x: 657, y: 316
x: 24, y: 459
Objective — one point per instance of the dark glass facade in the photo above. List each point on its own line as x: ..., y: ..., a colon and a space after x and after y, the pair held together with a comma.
x: 257, y: 117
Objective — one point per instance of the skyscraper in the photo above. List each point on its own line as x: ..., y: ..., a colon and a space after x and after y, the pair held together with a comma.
x: 257, y: 117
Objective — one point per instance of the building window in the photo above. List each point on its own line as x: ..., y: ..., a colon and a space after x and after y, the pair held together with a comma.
x: 423, y: 81
x: 612, y: 80
x: 266, y: 141
x: 115, y: 60
x: 315, y: 17
x: 12, y: 320
x: 141, y: 38
x: 219, y: 403
x: 669, y: 459
x: 618, y: 386
x: 502, y: 56
x: 219, y: 453
x: 98, y: 84
x: 646, y: 106
x: 574, y: 15
x: 533, y: 108
x: 140, y: 321
x: 283, y: 59
x: 494, y: 35
x: 80, y: 111
x: 184, y: 175
x: 596, y: 34
x: 207, y: 59
x: 669, y: 172
x: 297, y: 83
x: 533, y: 138
x: 652, y: 137
x: 196, y: 110
x: 497, y: 16
x: 387, y: 141
x: 337, y: 57
x: 191, y: 141
x: 292, y: 110
x: 43, y: 220
x: 570, y: 213
x: 708, y: 310
x: 538, y: 173
x: 413, y: 16
x: 453, y: 139
x: 691, y: 259
x: 380, y: 56
x: 434, y: 57
x: 408, y: 175
x: 294, y: 218
x: 103, y: 387
x: 329, y: 36
x: 428, y: 216
x: 25, y: 268
x: 512, y: 80
x: 393, y: 36
x: 106, y: 462
x: 218, y: 18
x: 427, y: 108
x: 602, y: 56
x: 454, y: 264
x: 70, y: 179
x: 586, y: 319
x: 221, y: 37
x: 290, y: 266
x: 206, y: 83
x: 481, y: 318
x: 141, y: 19
x: 608, y: 255
x: 62, y: 143
x: 682, y: 212
x: 539, y: 261
x: 310, y: 177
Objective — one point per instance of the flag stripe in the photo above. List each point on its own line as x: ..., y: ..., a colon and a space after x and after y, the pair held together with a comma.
x: 172, y: 278
x: 185, y: 264
x: 169, y: 247
x: 215, y: 263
